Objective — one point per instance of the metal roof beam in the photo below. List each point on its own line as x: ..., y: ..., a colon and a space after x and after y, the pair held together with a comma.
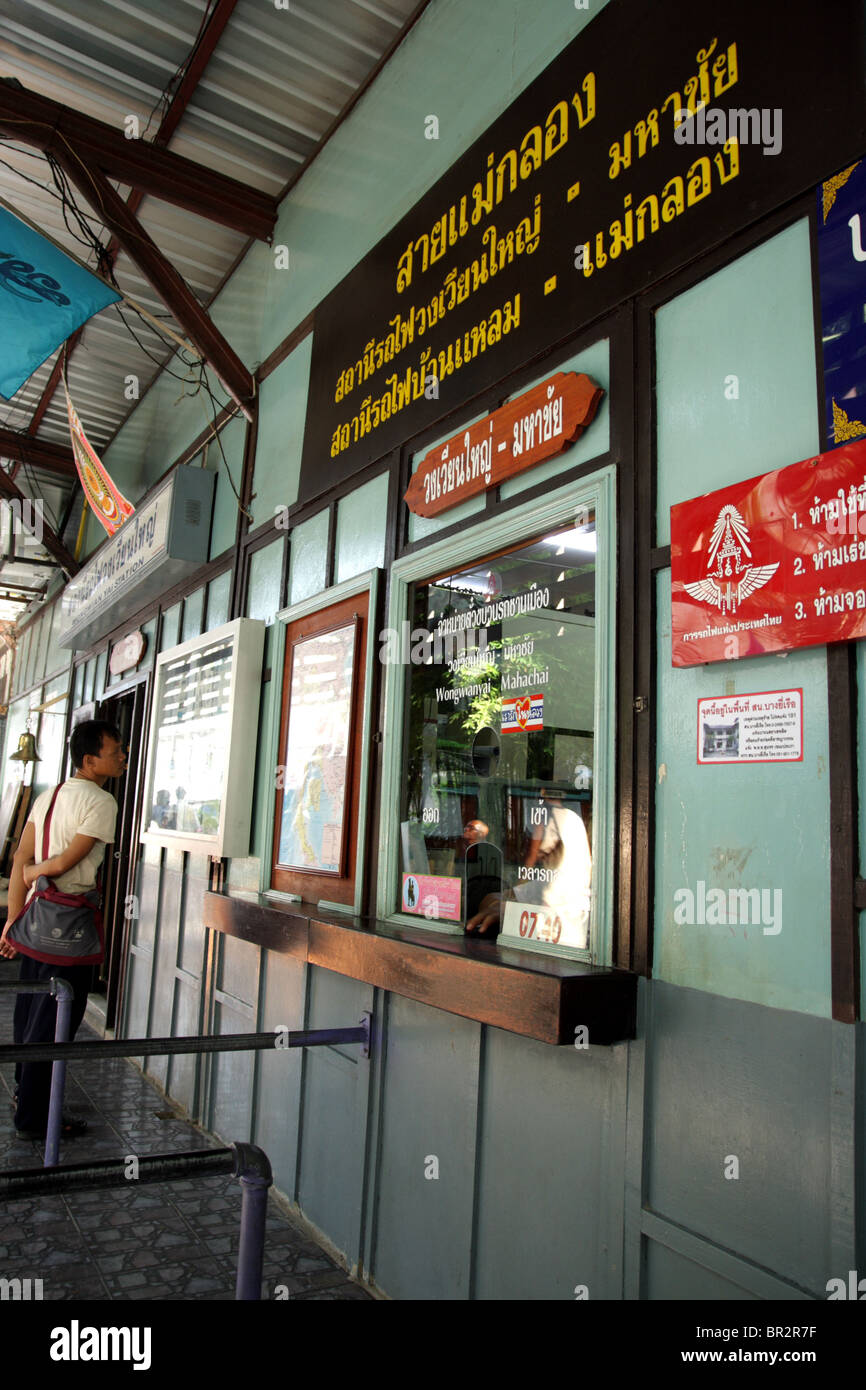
x: 169, y: 285
x: 39, y: 453
x: 59, y: 130
x: 48, y: 538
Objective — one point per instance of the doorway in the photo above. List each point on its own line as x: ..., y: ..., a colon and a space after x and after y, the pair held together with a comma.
x: 126, y: 710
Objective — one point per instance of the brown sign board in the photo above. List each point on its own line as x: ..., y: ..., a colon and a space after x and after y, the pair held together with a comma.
x: 585, y: 191
x: 526, y: 431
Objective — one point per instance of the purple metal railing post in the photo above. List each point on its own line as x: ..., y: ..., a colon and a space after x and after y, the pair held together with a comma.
x: 63, y: 993
x: 253, y: 1169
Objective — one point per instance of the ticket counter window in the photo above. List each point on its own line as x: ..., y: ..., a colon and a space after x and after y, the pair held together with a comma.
x: 499, y: 761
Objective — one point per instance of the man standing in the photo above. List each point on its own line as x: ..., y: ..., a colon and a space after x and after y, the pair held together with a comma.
x: 82, y: 823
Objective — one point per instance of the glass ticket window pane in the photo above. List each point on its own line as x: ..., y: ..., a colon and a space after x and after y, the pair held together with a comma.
x: 497, y: 801
x: 192, y: 721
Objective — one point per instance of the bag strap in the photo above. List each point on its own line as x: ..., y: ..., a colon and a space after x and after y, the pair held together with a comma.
x: 47, y: 824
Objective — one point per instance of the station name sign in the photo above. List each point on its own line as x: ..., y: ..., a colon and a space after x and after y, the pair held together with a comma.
x: 536, y: 426
x: 773, y: 563
x: 590, y: 187
x: 164, y: 540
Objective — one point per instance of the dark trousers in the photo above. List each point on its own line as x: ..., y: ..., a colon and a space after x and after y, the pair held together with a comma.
x: 35, y: 1020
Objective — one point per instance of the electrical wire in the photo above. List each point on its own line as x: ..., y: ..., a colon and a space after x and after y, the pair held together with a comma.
x: 166, y: 96
x: 87, y: 237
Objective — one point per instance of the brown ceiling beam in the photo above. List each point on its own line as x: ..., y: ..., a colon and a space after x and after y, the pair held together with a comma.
x: 39, y: 453
x: 36, y: 120
x: 53, y: 382
x: 220, y: 16
x: 169, y: 285
x: 48, y: 538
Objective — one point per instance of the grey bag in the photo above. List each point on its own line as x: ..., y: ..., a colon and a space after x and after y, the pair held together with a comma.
x: 59, y: 927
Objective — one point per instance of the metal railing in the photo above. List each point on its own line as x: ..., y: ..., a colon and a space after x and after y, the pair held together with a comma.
x: 246, y: 1161
x: 63, y: 992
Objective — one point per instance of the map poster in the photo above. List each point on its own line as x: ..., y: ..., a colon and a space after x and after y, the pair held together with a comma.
x: 766, y: 727
x: 312, y: 832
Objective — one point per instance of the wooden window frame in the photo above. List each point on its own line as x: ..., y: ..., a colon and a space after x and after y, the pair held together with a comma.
x: 334, y: 607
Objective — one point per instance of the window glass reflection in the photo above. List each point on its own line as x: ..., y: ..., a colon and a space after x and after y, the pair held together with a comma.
x: 496, y: 816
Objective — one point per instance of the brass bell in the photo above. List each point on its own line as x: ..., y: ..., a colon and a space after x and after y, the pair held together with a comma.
x: 26, y: 750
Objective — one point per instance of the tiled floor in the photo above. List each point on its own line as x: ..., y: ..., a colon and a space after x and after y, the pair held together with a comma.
x: 174, y: 1240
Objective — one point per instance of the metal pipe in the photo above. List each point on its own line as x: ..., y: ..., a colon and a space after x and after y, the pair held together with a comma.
x: 254, y: 1171
x: 150, y: 1047
x: 28, y: 986
x: 114, y: 1172
x: 64, y: 994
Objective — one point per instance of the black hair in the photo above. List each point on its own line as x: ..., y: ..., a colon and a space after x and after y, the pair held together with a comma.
x: 86, y: 738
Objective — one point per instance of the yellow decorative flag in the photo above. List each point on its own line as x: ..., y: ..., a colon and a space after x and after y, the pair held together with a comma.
x: 109, y: 505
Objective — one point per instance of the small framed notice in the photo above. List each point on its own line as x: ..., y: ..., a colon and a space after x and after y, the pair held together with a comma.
x: 766, y: 727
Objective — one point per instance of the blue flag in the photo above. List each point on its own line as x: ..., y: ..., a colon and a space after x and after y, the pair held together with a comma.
x: 44, y: 297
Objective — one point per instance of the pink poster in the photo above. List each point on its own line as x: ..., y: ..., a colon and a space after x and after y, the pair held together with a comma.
x: 428, y: 896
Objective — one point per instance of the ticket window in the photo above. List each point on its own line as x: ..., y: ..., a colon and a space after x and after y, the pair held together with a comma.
x: 500, y: 749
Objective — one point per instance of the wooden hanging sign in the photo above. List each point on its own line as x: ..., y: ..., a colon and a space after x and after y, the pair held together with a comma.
x: 526, y: 431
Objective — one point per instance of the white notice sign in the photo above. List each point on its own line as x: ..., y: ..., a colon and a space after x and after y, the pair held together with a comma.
x: 766, y: 727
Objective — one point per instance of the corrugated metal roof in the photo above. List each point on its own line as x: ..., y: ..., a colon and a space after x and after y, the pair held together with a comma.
x: 272, y: 88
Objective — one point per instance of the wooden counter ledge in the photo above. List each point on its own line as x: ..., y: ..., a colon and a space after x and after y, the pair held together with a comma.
x: 543, y: 997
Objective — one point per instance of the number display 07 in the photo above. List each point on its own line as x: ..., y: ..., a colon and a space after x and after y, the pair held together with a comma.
x: 546, y: 931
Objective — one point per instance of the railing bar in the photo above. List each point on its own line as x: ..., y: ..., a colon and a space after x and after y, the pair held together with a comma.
x: 114, y: 1172
x: 103, y: 1049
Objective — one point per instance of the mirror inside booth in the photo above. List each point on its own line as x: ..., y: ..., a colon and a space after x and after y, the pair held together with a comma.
x: 498, y: 762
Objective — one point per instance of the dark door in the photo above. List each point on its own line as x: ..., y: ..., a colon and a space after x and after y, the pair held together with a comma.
x: 127, y: 712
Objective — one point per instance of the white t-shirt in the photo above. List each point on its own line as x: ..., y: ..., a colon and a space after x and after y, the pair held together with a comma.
x: 81, y: 808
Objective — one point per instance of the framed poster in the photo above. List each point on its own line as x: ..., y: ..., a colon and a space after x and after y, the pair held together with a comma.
x: 319, y: 736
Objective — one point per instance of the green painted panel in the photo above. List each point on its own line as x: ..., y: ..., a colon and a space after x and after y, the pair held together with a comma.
x: 193, y: 607
x: 729, y: 1081
x: 225, y: 507
x: 309, y: 557
x: 330, y: 1179
x: 361, y: 517
x: 550, y: 1170
x: 669, y: 1275
x: 265, y: 574
x: 426, y: 1165
x: 218, y: 594
x: 743, y: 826
x: 149, y: 631
x: 170, y: 628
x: 282, y: 411
x: 595, y: 362
x: 278, y: 1085
x: 753, y: 321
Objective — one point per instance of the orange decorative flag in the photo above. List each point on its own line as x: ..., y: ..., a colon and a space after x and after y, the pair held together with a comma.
x: 109, y: 505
